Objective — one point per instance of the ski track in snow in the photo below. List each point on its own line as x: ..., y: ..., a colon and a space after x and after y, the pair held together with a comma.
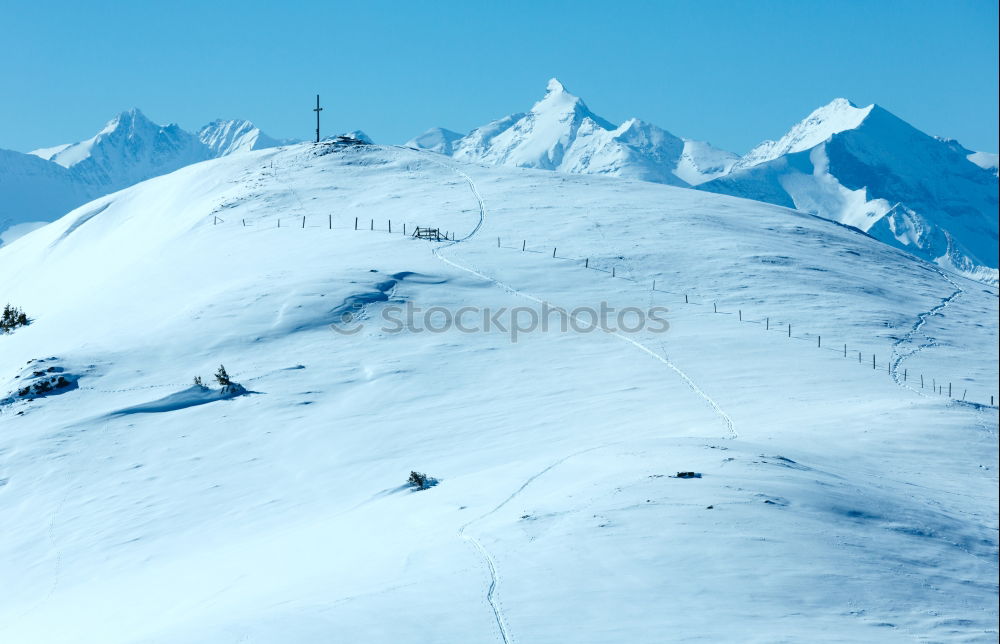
x: 491, y: 593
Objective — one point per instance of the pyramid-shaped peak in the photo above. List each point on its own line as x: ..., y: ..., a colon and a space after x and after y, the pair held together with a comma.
x: 133, y: 115
x: 558, y: 102
x: 128, y: 119
x: 557, y: 97
x: 554, y: 86
x: 839, y: 104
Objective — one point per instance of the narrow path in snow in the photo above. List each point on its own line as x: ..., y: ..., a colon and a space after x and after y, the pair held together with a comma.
x: 901, y: 352
x: 491, y: 593
x: 490, y: 562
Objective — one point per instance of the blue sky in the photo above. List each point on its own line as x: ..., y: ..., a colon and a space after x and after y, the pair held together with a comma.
x: 731, y: 72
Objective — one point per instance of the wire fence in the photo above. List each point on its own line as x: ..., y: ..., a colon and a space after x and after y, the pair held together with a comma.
x: 918, y: 382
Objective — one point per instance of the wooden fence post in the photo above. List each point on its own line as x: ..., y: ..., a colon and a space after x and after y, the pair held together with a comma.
x: 390, y: 226
x: 789, y: 330
x: 279, y: 222
x: 921, y: 381
x: 498, y: 242
x: 372, y: 225
x: 524, y: 243
x: 949, y: 390
x: 355, y: 223
x: 741, y: 314
x: 329, y: 222
x: 715, y: 307
x: 553, y: 253
x: 654, y: 285
x: 819, y: 341
x: 845, y: 350
x: 303, y: 221
x: 873, y: 362
x: 612, y: 271
x: 685, y: 298
x: 586, y: 263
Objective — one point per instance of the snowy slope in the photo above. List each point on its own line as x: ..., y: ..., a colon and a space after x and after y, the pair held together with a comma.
x: 561, y: 133
x: 836, y: 502
x: 33, y: 191
x: 867, y: 168
x: 129, y: 149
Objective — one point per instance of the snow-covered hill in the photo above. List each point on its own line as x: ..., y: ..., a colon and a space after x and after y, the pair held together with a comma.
x: 561, y: 133
x: 835, y: 502
x: 129, y: 149
x: 867, y: 168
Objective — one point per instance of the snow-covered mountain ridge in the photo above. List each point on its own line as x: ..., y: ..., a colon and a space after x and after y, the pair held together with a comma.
x: 561, y: 133
x: 834, y: 502
x: 867, y: 168
x: 129, y: 148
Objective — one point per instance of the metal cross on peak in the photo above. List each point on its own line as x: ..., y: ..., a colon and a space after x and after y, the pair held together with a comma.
x: 318, y: 109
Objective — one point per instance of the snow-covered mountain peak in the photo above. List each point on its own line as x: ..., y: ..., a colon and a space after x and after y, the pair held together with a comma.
x: 868, y: 168
x: 559, y: 103
x: 436, y: 139
x: 561, y: 133
x: 238, y: 135
x: 836, y: 116
x: 129, y: 121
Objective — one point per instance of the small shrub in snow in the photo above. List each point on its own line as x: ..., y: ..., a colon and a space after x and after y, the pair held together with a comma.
x: 420, y: 481
x: 198, y: 382
x: 11, y: 318
x: 222, y: 377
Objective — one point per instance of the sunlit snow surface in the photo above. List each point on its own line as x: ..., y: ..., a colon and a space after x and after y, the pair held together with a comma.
x: 846, y: 503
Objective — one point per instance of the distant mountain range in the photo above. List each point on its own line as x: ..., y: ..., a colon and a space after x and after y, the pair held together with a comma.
x: 863, y: 167
x: 38, y: 187
x: 561, y: 133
